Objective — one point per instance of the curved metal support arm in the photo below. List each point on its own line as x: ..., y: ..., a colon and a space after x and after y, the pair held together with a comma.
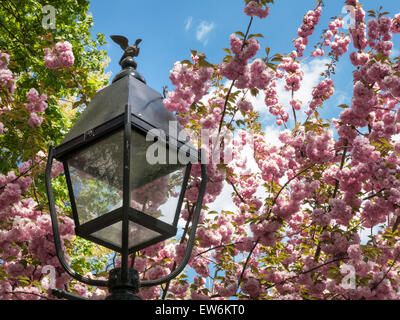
x: 192, y: 236
x: 56, y: 232
x: 61, y: 294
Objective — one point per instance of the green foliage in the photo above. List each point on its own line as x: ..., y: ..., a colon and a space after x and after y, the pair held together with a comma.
x: 24, y: 38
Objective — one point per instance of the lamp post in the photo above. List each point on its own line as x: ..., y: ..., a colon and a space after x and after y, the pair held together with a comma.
x: 121, y: 198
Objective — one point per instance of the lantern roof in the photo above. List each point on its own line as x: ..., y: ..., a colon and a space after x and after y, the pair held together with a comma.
x: 110, y: 102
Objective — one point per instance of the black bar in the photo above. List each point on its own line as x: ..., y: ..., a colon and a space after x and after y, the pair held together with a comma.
x: 126, y: 193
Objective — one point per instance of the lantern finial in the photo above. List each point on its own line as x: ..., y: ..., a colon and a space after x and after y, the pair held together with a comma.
x: 129, y: 51
x: 127, y: 61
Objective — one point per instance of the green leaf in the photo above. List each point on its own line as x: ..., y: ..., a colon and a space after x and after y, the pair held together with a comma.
x: 258, y: 35
x: 239, y: 33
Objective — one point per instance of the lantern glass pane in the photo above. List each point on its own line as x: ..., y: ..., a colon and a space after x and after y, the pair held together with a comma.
x: 137, y: 234
x: 156, y: 179
x: 96, y: 176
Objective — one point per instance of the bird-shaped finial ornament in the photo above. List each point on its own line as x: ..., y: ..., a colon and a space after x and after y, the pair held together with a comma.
x: 129, y: 51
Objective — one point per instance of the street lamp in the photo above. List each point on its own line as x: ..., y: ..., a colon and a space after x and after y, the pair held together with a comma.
x: 122, y: 195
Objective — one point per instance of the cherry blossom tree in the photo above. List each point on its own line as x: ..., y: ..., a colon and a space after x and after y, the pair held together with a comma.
x: 324, y: 185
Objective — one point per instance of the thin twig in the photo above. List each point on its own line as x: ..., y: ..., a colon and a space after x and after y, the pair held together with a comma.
x: 247, y: 262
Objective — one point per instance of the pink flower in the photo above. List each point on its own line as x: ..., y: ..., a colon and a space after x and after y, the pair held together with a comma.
x: 4, y: 60
x: 157, y: 272
x: 7, y: 80
x: 35, y: 120
x: 63, y: 46
x: 252, y: 287
x: 238, y: 69
x: 341, y: 45
x: 61, y: 57
x: 318, y: 53
x: 357, y: 58
x: 1, y: 128
x: 359, y: 35
x: 296, y: 105
x: 260, y: 77
x: 66, y: 59
x: 253, y: 9
x: 50, y: 59
x: 36, y: 103
x: 245, y: 106
x: 57, y: 169
x: 395, y: 27
x: 354, y: 252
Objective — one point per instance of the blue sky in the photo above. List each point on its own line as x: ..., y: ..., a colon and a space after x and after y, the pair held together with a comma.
x: 170, y: 29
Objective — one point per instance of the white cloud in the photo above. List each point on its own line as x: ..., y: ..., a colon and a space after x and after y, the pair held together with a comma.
x: 203, y: 31
x: 188, y: 23
x: 312, y: 76
x: 224, y: 200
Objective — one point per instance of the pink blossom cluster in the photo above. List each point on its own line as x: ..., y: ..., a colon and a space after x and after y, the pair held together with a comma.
x: 225, y: 291
x: 359, y: 58
x: 271, y: 95
x: 192, y: 84
x: 60, y: 57
x: 318, y: 52
x: 293, y: 82
x: 31, y: 229
x: 245, y: 106
x: 214, y: 187
x: 374, y: 213
x: 252, y: 287
x: 363, y: 151
x: 273, y: 166
x: 337, y: 243
x: 26, y: 228
x: 7, y: 79
x: 322, y: 92
x: 210, y: 236
x: 296, y: 104
x: 310, y: 21
x: 340, y: 45
x: 4, y: 60
x: 253, y: 9
x: 11, y: 188
x: 282, y: 116
x: 214, y: 112
x: 294, y: 74
x: 334, y: 27
x: 238, y: 68
x: 358, y: 31
x: 379, y: 36
x: 260, y: 76
x: 320, y: 148
x: 392, y: 84
x: 340, y: 211
x: 36, y: 104
x: 395, y: 27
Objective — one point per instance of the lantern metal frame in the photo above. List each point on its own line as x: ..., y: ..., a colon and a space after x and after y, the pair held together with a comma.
x: 62, y: 153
